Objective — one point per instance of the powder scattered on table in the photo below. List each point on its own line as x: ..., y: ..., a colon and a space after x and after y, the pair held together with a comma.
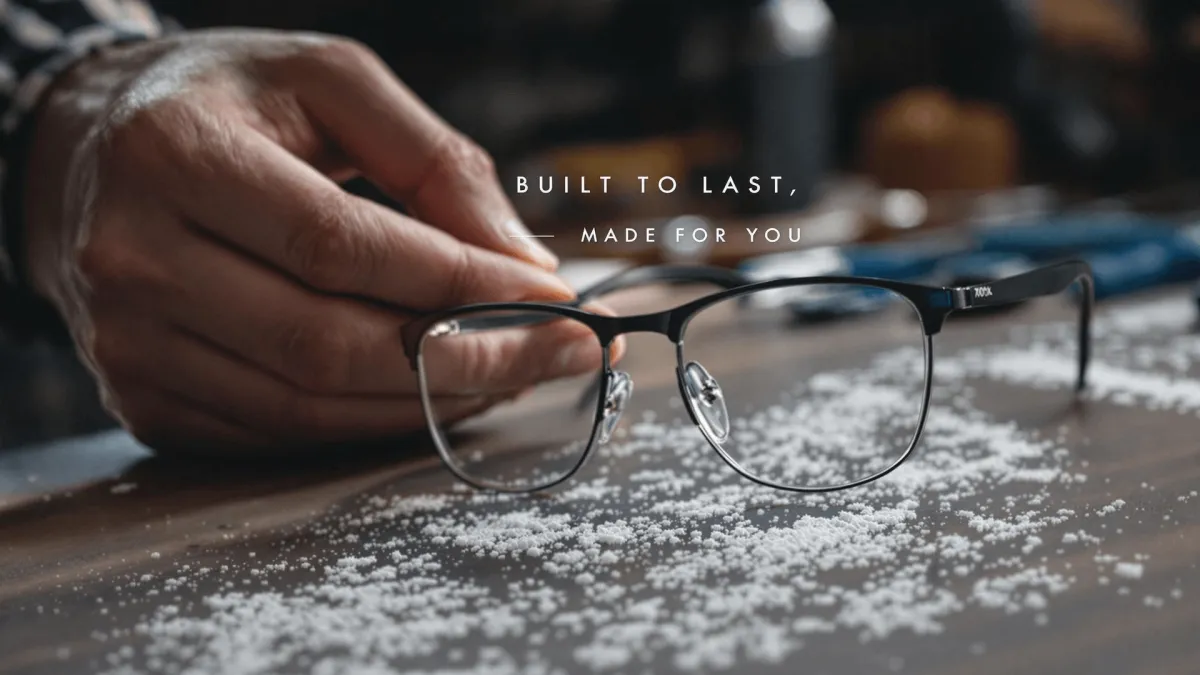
x: 667, y: 559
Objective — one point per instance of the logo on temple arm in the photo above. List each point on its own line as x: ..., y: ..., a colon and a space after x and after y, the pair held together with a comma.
x: 982, y: 291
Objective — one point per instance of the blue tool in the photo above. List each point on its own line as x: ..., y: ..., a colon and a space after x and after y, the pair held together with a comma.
x: 968, y: 269
x: 1128, y: 253
x: 939, y: 264
x: 1057, y: 237
x: 1144, y: 266
x: 824, y: 303
x: 887, y: 261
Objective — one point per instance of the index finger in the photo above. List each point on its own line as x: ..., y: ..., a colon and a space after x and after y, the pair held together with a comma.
x: 253, y: 194
x: 445, y: 178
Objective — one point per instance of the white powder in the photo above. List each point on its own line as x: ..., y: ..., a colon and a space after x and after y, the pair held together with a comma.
x: 1128, y: 570
x: 1152, y: 374
x: 670, y: 556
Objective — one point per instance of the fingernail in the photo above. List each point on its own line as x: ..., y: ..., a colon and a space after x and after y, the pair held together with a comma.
x: 548, y: 288
x: 534, y: 249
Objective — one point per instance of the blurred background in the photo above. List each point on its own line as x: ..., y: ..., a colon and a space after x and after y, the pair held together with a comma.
x: 884, y: 115
x: 942, y: 140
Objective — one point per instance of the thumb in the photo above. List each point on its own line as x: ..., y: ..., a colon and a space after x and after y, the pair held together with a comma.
x: 502, y: 351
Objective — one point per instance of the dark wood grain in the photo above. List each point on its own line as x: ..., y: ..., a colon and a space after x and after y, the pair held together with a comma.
x: 60, y: 549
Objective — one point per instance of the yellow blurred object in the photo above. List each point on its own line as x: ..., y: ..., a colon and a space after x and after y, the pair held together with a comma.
x: 925, y: 140
x: 1101, y: 27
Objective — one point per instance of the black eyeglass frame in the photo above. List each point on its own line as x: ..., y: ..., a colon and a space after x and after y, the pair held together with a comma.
x: 933, y: 305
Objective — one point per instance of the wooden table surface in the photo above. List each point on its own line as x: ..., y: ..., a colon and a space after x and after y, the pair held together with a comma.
x: 1026, y: 535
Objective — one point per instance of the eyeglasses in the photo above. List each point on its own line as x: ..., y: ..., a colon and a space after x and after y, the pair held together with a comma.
x: 746, y: 364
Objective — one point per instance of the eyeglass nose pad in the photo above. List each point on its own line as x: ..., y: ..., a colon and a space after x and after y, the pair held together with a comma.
x: 706, y: 400
x: 620, y: 388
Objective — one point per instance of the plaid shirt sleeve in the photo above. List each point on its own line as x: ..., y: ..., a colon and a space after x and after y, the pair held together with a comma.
x: 38, y: 40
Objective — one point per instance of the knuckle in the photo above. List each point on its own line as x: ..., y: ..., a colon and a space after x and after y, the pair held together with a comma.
x: 100, y: 262
x: 328, y: 252
x: 479, y: 359
x: 461, y: 158
x: 317, y: 356
x: 344, y: 52
x: 151, y: 134
x: 115, y: 272
x: 107, y: 265
x: 464, y: 277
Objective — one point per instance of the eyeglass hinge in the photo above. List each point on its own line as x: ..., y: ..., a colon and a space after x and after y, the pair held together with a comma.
x: 960, y: 298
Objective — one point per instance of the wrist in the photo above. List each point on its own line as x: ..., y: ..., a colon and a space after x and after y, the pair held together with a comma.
x: 57, y: 187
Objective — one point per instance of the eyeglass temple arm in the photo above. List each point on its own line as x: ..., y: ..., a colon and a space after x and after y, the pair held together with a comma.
x: 664, y: 274
x: 1049, y: 280
x: 631, y: 278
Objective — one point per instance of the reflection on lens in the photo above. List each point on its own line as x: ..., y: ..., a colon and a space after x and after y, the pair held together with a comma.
x: 822, y: 385
x: 511, y: 396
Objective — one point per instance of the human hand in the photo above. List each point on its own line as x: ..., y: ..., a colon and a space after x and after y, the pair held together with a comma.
x: 183, y: 214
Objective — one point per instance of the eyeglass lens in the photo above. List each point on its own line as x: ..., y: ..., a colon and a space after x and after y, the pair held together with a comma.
x: 773, y: 385
x: 778, y: 388
x: 502, y: 437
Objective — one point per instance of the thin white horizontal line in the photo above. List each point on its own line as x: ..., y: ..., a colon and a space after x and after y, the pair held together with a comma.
x: 531, y: 236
